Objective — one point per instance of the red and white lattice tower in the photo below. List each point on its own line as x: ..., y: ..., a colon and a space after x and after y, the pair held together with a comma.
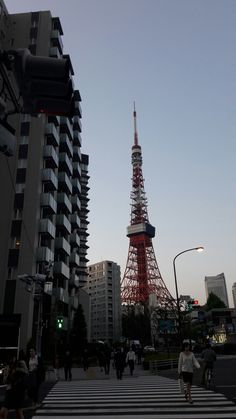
x: 142, y: 276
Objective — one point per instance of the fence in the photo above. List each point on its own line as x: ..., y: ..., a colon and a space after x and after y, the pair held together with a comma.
x: 155, y: 366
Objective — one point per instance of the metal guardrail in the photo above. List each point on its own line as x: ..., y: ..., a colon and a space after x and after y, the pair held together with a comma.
x: 155, y: 366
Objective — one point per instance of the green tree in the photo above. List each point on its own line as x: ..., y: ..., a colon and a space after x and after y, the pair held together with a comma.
x: 214, y: 301
x: 136, y: 325
x: 79, y: 331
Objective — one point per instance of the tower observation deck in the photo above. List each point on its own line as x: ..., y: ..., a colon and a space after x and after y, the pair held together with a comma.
x: 142, y: 276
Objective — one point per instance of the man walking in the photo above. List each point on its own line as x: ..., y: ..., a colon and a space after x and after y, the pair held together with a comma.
x: 130, y: 360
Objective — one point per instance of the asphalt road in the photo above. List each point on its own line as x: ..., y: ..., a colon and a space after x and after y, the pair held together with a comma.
x: 224, y: 382
x: 224, y: 376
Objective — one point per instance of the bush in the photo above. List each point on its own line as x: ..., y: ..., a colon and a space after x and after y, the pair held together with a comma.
x: 229, y: 348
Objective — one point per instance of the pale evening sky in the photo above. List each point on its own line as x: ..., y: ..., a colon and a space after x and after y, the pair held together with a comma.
x: 177, y: 60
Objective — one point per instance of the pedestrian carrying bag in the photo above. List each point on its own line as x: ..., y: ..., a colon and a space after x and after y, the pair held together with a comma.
x: 181, y: 385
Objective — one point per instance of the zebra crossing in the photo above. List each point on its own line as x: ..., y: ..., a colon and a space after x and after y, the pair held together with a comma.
x: 145, y: 397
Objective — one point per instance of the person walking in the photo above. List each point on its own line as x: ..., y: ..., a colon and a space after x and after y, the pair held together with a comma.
x: 15, y: 390
x: 187, y: 363
x: 139, y: 355
x: 101, y: 359
x: 85, y: 359
x: 56, y: 367
x: 119, y: 361
x: 130, y: 360
x: 33, y: 380
x: 209, y: 357
x: 107, y: 359
x: 68, y: 365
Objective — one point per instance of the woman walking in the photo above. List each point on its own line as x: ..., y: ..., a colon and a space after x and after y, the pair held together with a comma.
x: 15, y: 391
x: 187, y: 363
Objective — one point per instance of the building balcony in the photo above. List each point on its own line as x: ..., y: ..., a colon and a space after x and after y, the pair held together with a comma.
x: 76, y: 153
x: 62, y: 245
x: 83, y: 251
x: 61, y: 269
x: 52, y: 134
x: 56, y: 40
x: 44, y: 254
x: 54, y: 52
x: 65, y: 163
x: 49, y: 153
x: 47, y: 228
x: 47, y: 201
x: 76, y: 204
x: 76, y: 186
x: 63, y: 202
x: 84, y: 226
x: 63, y: 223
x: 54, y: 119
x: 77, y: 140
x: 66, y: 144
x: 66, y: 127
x: 74, y: 280
x: 65, y: 184
x: 74, y: 260
x: 78, y: 110
x: 76, y: 169
x: 74, y: 302
x: 74, y: 240
x: 61, y: 294
x: 77, y: 123
x: 75, y: 221
x: 49, y: 177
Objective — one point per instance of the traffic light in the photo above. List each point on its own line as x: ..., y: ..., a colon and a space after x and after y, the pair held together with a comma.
x: 60, y: 322
x: 192, y: 303
x: 45, y: 83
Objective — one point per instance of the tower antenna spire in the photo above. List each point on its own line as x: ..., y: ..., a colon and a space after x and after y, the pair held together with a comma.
x: 142, y: 277
x: 135, y: 128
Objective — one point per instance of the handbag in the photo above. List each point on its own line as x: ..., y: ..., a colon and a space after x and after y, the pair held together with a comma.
x: 181, y: 385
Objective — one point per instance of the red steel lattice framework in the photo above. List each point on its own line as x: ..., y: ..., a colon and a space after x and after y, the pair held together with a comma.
x: 142, y: 276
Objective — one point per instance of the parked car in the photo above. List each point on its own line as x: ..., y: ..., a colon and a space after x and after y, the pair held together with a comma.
x: 147, y: 349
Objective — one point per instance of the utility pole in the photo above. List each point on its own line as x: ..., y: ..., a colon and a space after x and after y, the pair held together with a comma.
x: 35, y: 285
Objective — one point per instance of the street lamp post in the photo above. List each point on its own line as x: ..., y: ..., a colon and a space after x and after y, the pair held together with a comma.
x: 198, y: 249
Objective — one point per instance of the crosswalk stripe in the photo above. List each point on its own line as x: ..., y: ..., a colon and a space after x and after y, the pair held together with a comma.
x: 145, y: 397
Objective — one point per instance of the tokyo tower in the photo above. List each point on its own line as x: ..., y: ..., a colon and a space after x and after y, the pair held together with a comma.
x: 142, y: 276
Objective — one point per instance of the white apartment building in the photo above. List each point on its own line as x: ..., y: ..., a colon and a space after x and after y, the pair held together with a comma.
x: 217, y: 285
x: 103, y: 285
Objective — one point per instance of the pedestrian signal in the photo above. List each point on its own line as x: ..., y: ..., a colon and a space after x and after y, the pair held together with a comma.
x: 60, y: 322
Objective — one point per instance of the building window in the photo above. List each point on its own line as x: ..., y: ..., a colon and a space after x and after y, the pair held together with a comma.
x: 19, y: 201
x: 25, y: 128
x: 23, y: 151
x: 16, y: 228
x: 20, y: 175
x: 13, y: 257
x: 34, y: 18
x: 33, y: 33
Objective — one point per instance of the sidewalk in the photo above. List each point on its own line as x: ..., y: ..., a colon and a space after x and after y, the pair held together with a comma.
x: 95, y: 373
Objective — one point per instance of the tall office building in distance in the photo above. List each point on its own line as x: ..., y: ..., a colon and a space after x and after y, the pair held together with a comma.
x: 234, y: 294
x: 44, y: 189
x: 103, y: 285
x: 217, y: 285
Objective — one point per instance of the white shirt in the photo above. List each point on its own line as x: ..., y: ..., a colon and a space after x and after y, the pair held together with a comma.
x: 33, y: 363
x: 187, y: 362
x: 130, y: 356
